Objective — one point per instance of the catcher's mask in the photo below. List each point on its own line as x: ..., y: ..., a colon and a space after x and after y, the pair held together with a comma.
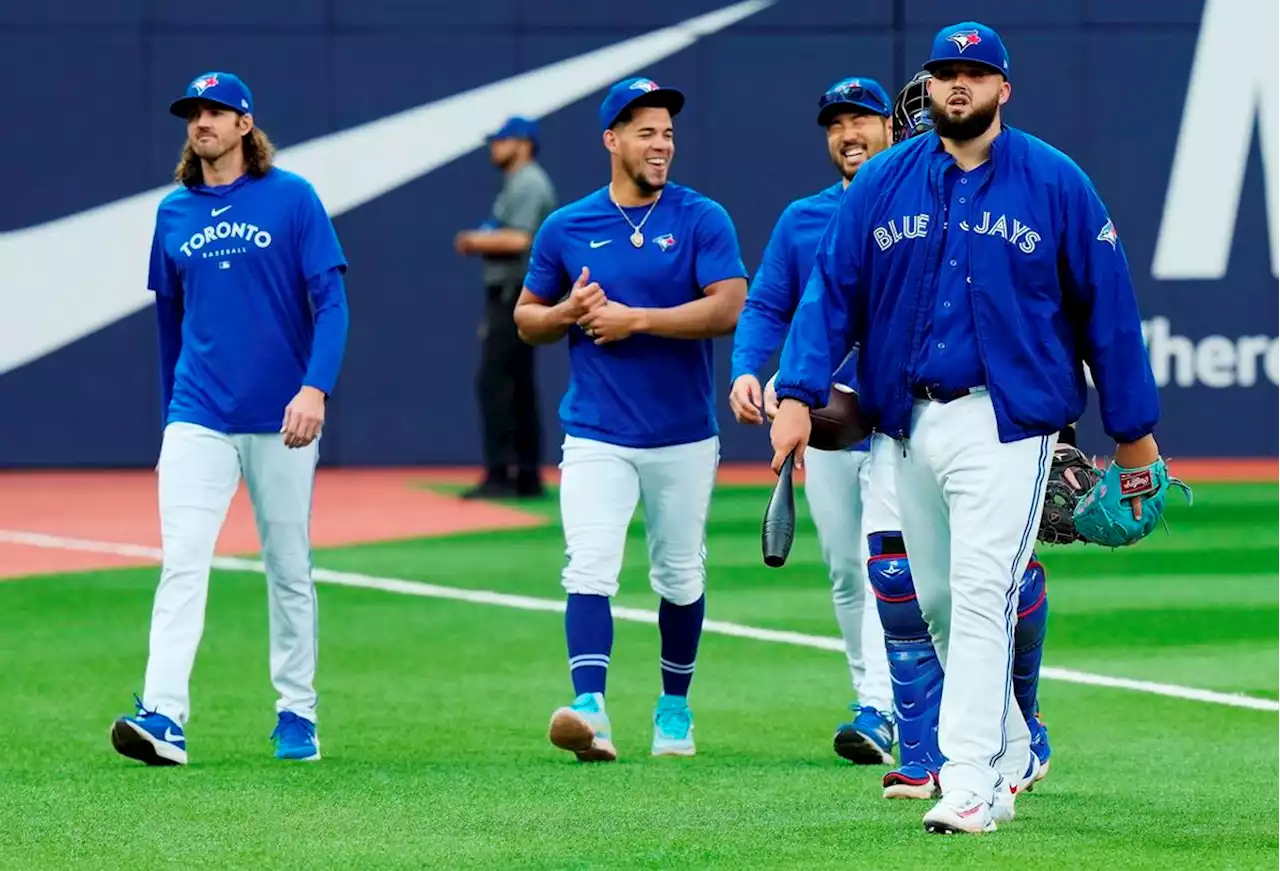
x: 911, y: 108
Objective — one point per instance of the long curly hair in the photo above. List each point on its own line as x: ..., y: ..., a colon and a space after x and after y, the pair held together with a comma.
x: 259, y: 155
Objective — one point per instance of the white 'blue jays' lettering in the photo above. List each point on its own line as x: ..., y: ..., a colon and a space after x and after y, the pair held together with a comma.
x: 912, y: 227
x: 1011, y: 230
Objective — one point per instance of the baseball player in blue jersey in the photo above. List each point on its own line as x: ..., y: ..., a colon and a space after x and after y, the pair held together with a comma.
x: 978, y: 271
x: 855, y: 113
x: 252, y: 316
x: 640, y: 275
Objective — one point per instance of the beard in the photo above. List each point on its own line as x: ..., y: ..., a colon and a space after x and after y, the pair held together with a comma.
x: 979, y: 120
x: 637, y: 173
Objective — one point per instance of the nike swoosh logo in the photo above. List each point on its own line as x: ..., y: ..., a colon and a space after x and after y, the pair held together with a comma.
x: 172, y: 738
x: 68, y: 278
x: 216, y: 212
x: 595, y: 244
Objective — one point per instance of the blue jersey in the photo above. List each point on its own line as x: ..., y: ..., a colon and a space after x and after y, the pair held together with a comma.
x: 645, y: 391
x: 775, y: 290
x: 1048, y: 285
x: 248, y: 283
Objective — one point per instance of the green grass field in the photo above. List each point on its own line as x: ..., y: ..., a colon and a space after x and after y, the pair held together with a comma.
x: 433, y: 717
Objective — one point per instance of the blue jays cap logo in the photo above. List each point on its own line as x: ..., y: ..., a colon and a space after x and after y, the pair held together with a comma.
x: 204, y: 82
x: 965, y: 38
x: 645, y: 85
x: 848, y: 85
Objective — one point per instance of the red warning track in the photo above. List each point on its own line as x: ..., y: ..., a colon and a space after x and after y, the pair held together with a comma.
x: 351, y: 506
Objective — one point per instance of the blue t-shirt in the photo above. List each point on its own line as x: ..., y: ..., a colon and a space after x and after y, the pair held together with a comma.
x: 255, y: 267
x: 645, y: 391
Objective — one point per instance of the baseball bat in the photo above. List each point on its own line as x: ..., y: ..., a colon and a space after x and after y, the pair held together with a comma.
x: 779, y: 528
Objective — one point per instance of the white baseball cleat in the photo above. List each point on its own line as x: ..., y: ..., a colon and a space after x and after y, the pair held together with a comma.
x: 960, y: 812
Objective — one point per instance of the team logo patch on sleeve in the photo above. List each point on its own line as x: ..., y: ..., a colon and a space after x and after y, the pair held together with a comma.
x: 1108, y: 233
x: 965, y: 38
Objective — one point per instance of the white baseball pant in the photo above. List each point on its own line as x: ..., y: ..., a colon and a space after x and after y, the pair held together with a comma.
x: 600, y: 484
x: 199, y: 472
x: 836, y: 487
x: 970, y: 508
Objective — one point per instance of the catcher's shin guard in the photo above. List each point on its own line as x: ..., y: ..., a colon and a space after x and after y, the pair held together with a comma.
x: 914, y: 670
x: 1028, y: 637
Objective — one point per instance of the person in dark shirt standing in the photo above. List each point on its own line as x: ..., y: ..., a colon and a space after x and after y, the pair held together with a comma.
x: 505, y: 382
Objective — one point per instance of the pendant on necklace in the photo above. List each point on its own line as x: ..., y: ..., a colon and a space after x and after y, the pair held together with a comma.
x: 637, y: 239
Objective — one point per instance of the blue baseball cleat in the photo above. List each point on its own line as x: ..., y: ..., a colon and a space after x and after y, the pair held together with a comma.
x: 295, y: 738
x: 149, y: 737
x: 912, y: 780
x: 672, y: 727
x: 583, y: 729
x: 867, y: 740
x: 1040, y: 747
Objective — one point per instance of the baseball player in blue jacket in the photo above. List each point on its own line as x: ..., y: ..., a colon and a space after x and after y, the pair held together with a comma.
x: 978, y: 271
x: 247, y: 273
x: 640, y: 274
x: 855, y: 113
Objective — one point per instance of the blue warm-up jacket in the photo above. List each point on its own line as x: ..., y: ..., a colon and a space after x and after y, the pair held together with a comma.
x: 775, y: 290
x: 1050, y: 288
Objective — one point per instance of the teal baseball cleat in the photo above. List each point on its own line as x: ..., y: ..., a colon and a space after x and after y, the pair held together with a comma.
x: 583, y: 729
x: 672, y: 727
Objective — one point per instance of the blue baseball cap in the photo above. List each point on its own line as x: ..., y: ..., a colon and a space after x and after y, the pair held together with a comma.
x: 637, y: 91
x: 972, y: 42
x: 516, y: 127
x: 853, y: 93
x: 225, y: 89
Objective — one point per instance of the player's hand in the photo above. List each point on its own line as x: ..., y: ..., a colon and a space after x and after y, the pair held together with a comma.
x: 771, y: 398
x: 586, y: 296
x: 745, y: 399
x: 1137, y: 455
x: 303, y: 418
x: 462, y: 242
x: 611, y: 322
x: 790, y: 432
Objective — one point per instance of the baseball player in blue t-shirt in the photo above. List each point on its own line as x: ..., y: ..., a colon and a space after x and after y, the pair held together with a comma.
x: 252, y: 316
x: 640, y: 275
x: 855, y: 114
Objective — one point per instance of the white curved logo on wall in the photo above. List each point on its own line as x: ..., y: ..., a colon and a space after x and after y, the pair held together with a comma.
x: 50, y: 299
x: 1233, y: 87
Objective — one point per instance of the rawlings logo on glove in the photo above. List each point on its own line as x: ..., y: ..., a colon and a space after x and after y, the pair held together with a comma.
x: 1105, y: 515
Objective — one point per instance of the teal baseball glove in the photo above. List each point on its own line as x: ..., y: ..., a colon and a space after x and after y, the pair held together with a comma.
x: 1104, y: 516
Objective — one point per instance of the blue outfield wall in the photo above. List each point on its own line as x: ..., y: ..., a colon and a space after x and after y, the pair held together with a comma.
x: 1170, y: 106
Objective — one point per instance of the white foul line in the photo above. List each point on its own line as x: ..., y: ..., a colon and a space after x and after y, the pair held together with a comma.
x: 635, y: 615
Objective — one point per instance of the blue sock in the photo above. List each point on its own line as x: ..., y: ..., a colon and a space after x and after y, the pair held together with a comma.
x: 588, y: 629
x: 681, y: 627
